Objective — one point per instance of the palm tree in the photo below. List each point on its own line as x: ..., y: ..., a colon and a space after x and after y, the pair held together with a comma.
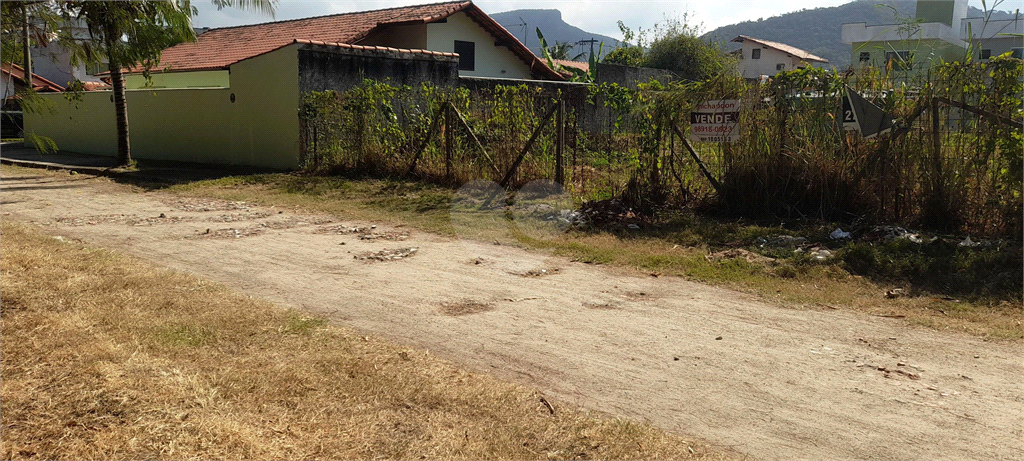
x: 136, y: 32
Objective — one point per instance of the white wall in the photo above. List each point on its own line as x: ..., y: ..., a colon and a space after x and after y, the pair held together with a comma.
x: 491, y: 61
x: 767, y: 65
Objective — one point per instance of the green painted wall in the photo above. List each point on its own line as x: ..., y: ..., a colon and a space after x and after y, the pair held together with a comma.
x: 260, y: 128
x: 935, y: 11
x: 267, y: 103
x: 205, y: 79
x: 926, y: 52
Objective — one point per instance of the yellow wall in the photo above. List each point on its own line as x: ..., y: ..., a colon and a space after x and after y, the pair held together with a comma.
x: 491, y: 60
x: 261, y: 128
x: 204, y: 79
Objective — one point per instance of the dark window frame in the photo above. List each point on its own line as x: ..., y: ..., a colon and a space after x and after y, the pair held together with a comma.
x: 901, y: 60
x: 755, y: 53
x: 467, y: 55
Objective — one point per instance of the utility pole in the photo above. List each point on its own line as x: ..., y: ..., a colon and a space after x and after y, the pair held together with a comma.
x: 592, y: 41
x: 28, y: 53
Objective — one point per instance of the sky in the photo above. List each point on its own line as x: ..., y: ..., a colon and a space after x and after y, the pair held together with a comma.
x: 597, y: 16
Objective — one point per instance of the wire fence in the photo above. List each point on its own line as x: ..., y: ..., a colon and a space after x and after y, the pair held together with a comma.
x: 952, y: 160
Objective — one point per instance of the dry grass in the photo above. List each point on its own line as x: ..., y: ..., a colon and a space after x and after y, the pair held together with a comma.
x: 104, y: 356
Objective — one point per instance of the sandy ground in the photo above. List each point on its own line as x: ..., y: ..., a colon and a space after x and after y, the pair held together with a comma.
x: 771, y: 382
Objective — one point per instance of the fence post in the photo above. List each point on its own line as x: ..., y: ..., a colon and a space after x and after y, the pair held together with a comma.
x: 937, y: 192
x: 522, y: 154
x: 449, y: 139
x: 560, y: 144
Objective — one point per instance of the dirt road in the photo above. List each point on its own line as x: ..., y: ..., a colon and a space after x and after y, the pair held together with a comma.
x: 771, y: 382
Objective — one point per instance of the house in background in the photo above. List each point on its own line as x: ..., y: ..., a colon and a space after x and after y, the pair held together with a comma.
x: 995, y: 37
x: 53, y: 61
x: 12, y: 83
x: 758, y: 57
x: 484, y: 47
x: 940, y: 32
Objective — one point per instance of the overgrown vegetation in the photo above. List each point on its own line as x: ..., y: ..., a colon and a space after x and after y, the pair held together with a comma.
x: 943, y: 167
x: 93, y: 369
x: 673, y: 44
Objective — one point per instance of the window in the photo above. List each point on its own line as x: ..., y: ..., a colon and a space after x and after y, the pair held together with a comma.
x: 780, y: 67
x: 899, y: 60
x: 755, y: 54
x: 985, y: 54
x: 94, y: 68
x: 1017, y: 52
x: 865, y: 56
x: 467, y: 55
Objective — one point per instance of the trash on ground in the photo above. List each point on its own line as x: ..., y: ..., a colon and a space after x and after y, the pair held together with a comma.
x: 839, y: 234
x: 738, y: 253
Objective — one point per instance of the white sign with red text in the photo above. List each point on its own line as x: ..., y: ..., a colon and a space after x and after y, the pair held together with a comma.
x: 715, y: 121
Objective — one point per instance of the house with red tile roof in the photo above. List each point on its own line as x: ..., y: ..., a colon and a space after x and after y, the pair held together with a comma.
x: 759, y: 57
x: 484, y: 47
x: 233, y: 96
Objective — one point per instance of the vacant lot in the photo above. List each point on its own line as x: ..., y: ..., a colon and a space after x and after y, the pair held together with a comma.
x: 107, y: 357
x: 770, y: 381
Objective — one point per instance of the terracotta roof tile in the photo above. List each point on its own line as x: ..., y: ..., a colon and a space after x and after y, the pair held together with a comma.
x: 38, y: 83
x: 792, y: 50
x: 374, y: 48
x: 219, y: 48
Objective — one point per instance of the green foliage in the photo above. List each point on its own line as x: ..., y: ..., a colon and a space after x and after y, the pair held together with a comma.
x: 677, y: 47
x: 625, y: 56
x: 673, y: 45
x: 940, y: 267
x: 792, y: 160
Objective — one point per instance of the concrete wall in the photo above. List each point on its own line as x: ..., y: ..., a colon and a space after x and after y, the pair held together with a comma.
x: 202, y: 79
x: 333, y: 68
x: 629, y: 77
x: 491, y: 60
x: 260, y: 128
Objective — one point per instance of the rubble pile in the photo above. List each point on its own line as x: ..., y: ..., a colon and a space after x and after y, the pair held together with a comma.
x: 387, y: 254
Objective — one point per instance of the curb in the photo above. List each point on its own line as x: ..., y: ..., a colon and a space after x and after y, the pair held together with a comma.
x: 93, y: 170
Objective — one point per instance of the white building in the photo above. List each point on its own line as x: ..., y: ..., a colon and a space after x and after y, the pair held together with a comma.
x: 766, y: 58
x: 941, y: 32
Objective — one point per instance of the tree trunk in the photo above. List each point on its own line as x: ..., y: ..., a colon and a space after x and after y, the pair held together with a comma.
x: 124, y: 154
x: 27, y: 50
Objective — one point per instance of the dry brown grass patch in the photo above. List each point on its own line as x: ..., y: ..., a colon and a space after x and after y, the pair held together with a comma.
x: 466, y: 307
x: 105, y: 356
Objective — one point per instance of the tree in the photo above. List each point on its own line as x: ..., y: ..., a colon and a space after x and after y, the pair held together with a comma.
x: 675, y: 46
x: 628, y: 53
x: 130, y: 33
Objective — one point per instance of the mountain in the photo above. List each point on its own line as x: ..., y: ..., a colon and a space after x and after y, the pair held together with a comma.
x: 819, y: 30
x: 524, y: 23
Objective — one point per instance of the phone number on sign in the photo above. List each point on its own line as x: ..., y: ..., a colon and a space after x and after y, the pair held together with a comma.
x: 717, y: 139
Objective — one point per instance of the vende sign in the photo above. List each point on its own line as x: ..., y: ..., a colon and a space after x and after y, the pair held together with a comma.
x: 715, y: 121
